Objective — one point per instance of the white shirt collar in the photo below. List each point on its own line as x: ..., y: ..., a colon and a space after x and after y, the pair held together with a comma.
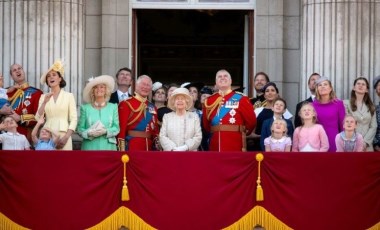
x: 13, y: 134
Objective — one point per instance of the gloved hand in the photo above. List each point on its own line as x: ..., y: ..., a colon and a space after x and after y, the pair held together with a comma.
x: 181, y: 148
x: 91, y: 132
x: 97, y: 132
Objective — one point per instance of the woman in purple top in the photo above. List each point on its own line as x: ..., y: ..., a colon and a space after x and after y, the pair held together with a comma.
x: 330, y: 110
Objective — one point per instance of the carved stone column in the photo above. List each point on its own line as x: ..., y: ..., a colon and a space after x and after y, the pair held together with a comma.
x: 35, y: 33
x: 340, y: 40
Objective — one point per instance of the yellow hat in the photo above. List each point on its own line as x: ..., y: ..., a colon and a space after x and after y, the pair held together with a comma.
x: 57, y: 66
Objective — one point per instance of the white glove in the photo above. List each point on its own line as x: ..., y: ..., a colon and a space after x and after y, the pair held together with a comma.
x: 181, y: 148
x: 100, y: 132
x: 91, y: 132
x: 97, y: 132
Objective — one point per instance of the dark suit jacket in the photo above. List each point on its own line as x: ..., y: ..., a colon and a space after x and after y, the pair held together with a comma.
x: 114, y: 98
x: 297, y: 118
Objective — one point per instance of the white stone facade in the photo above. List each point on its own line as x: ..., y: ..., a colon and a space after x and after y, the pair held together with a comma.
x: 35, y: 33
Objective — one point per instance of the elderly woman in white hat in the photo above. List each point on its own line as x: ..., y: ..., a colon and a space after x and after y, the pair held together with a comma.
x: 58, y: 106
x: 180, y: 130
x: 99, y: 119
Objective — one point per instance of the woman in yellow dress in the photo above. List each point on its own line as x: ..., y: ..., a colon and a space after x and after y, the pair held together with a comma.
x: 58, y: 106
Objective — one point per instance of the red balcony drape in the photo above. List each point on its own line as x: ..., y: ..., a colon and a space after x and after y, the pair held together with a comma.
x: 192, y: 190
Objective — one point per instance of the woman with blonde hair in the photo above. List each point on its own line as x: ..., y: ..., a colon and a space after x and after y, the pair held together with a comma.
x: 330, y: 110
x: 181, y: 129
x: 99, y: 119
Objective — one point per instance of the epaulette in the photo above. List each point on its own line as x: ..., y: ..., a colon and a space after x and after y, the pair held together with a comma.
x: 240, y: 93
x: 31, y: 88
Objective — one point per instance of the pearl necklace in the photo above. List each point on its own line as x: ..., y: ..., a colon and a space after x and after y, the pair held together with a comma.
x: 99, y: 105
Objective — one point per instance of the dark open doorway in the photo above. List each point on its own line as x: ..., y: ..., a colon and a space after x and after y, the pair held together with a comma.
x: 190, y: 45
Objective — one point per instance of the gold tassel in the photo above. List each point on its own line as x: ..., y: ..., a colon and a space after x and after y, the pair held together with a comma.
x: 259, y: 189
x: 124, y: 191
x: 259, y: 193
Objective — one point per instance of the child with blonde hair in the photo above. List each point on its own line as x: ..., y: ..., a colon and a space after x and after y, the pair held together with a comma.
x: 3, y: 92
x: 310, y: 137
x: 279, y: 108
x: 47, y: 139
x: 349, y: 140
x: 278, y: 141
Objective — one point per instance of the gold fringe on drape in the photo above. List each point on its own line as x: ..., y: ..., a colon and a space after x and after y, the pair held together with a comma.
x: 8, y: 224
x: 375, y: 227
x: 258, y: 216
x: 122, y: 217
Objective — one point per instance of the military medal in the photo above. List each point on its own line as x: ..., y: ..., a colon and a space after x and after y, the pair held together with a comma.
x: 151, y: 110
x: 26, y: 103
x: 232, y: 112
x: 232, y: 120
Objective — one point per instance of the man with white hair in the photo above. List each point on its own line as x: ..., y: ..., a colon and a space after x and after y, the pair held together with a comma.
x: 228, y: 116
x: 138, y: 119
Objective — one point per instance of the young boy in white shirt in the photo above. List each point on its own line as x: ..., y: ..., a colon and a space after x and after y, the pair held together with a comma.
x: 12, y: 140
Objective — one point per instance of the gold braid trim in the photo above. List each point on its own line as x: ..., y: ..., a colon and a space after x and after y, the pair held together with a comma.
x: 258, y: 216
x: 140, y: 109
x: 121, y: 144
x: 6, y: 223
x: 27, y: 118
x: 212, y: 107
x: 122, y: 217
x: 375, y: 227
x: 17, y: 94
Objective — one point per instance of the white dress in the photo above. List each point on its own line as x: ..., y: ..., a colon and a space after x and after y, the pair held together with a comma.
x: 180, y: 130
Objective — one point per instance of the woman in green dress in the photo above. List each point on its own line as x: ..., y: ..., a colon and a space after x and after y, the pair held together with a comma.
x: 99, y: 119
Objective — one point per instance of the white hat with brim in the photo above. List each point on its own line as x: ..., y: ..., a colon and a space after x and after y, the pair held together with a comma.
x: 103, y: 79
x: 183, y: 92
x: 57, y: 66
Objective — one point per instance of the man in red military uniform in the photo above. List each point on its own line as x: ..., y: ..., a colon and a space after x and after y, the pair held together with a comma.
x: 138, y: 119
x: 24, y: 101
x: 228, y: 115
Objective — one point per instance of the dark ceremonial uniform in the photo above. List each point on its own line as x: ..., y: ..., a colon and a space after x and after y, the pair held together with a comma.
x: 138, y: 124
x: 229, y: 119
x: 258, y: 101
